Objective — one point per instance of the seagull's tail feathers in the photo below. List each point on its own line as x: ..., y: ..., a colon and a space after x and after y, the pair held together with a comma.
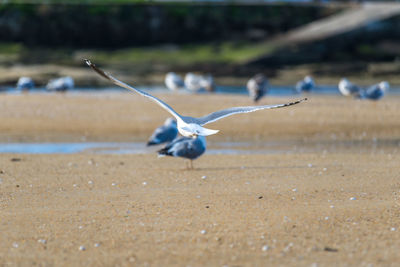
x: 205, y: 132
x: 164, y: 152
x: 194, y: 130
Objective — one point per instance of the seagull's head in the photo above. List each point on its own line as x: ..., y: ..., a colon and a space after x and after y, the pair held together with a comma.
x: 344, y: 81
x: 384, y: 85
x: 308, y: 79
x: 170, y: 121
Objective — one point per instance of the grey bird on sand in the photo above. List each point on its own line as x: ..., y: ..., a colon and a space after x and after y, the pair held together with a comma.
x: 349, y: 89
x: 305, y: 85
x: 376, y: 91
x: 257, y: 87
x: 25, y: 83
x: 189, y: 126
x: 173, y: 81
x: 164, y: 133
x: 185, y: 147
x: 60, y: 84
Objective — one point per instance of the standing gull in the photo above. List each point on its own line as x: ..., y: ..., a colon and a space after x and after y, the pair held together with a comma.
x: 207, y: 82
x: 25, y: 83
x: 349, y: 89
x: 61, y: 84
x: 189, y: 126
x: 305, y: 85
x: 257, y: 87
x: 164, y: 133
x: 185, y: 147
x: 193, y: 82
x: 376, y: 91
x: 173, y: 81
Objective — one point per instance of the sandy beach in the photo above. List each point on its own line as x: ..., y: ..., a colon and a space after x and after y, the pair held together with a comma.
x: 333, y: 198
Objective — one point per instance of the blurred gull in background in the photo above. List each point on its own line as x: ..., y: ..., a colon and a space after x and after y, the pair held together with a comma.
x: 305, y: 85
x: 173, y: 81
x: 193, y: 82
x: 376, y: 91
x: 349, y: 89
x: 164, y: 133
x: 207, y: 82
x: 25, y: 83
x: 257, y: 87
x: 60, y: 84
x: 185, y: 147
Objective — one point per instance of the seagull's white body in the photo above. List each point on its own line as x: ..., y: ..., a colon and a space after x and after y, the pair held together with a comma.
x: 60, y: 84
x: 25, y: 83
x: 193, y: 82
x: 376, y: 91
x: 305, y: 85
x: 189, y: 126
x: 207, y: 82
x: 257, y: 87
x: 173, y: 81
x: 347, y: 88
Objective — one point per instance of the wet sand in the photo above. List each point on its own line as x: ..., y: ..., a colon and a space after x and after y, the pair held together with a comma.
x: 323, y: 206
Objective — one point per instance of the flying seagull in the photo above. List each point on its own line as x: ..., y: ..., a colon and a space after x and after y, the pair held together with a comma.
x: 185, y: 147
x: 189, y: 126
x: 164, y: 133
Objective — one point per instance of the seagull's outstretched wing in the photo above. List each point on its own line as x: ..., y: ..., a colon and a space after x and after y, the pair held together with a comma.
x: 124, y: 85
x: 231, y: 111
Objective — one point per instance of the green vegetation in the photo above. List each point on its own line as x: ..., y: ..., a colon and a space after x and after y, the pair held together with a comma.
x: 227, y: 52
x: 171, y: 55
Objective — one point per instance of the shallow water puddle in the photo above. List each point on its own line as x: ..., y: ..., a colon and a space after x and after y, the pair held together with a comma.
x: 226, y: 148
x: 112, y: 148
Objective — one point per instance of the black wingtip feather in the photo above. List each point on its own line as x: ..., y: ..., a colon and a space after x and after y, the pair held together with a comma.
x: 164, y: 151
x: 99, y: 71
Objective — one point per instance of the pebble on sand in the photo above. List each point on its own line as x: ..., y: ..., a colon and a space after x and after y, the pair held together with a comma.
x: 265, y: 248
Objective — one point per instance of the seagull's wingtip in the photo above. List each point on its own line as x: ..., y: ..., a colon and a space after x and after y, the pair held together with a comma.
x: 87, y: 61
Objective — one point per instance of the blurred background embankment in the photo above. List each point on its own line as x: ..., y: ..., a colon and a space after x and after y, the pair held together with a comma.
x: 141, y: 42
